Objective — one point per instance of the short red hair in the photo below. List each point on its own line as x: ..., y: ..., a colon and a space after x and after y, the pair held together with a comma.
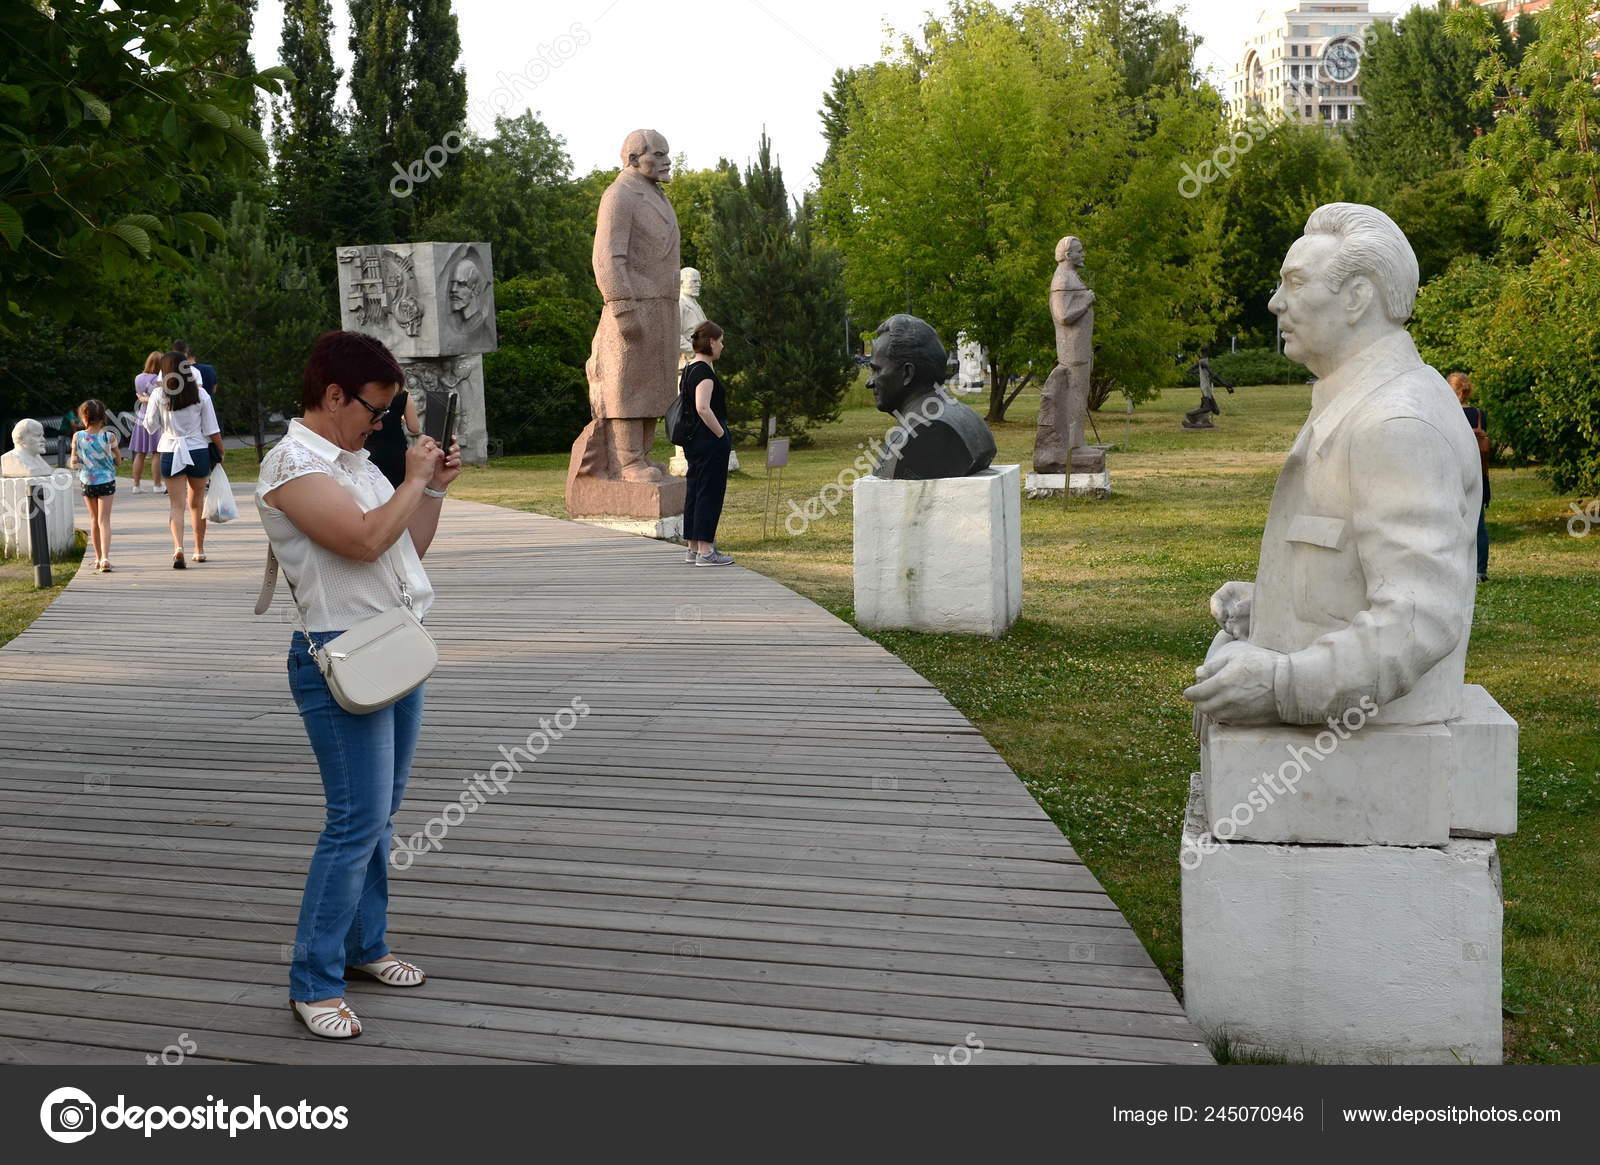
x: 350, y: 360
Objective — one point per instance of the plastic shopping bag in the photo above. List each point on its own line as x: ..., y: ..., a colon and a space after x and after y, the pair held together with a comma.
x: 220, y: 506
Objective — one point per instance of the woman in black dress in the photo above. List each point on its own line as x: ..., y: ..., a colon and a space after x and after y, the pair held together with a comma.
x: 387, y: 445
x: 707, y: 448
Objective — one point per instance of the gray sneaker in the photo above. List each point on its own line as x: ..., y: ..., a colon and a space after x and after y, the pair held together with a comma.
x: 692, y: 557
x: 715, y: 558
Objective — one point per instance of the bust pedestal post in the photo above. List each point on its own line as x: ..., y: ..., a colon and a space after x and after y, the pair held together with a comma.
x: 16, y: 539
x: 943, y: 554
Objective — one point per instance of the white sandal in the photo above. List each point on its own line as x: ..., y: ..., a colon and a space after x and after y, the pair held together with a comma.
x: 394, y: 972
x: 333, y: 1023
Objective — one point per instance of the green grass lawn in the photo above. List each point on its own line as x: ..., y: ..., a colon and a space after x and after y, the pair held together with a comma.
x: 21, y: 601
x: 1082, y: 697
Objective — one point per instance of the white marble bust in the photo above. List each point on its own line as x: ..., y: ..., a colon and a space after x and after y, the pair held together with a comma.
x: 26, y: 459
x: 690, y: 314
x: 1366, y: 580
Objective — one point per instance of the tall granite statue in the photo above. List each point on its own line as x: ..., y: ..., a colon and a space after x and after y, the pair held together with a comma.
x: 1341, y: 884
x: 1366, y: 580
x: 934, y: 435
x: 1064, y: 403
x: 635, y: 351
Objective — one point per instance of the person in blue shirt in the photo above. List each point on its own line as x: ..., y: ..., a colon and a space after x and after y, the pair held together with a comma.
x: 95, y: 455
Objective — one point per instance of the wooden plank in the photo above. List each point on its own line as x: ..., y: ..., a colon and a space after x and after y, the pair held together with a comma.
x: 769, y: 841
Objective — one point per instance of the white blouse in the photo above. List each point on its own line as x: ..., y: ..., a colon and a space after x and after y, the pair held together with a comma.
x: 181, y: 429
x: 334, y: 592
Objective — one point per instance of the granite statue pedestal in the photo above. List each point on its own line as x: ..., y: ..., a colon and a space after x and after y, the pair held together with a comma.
x: 1090, y: 477
x: 16, y: 532
x: 942, y: 554
x: 1341, y: 887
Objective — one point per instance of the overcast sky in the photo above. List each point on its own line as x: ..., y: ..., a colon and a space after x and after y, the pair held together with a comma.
x: 711, y: 81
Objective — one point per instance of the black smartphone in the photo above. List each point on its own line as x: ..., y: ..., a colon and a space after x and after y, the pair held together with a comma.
x: 452, y: 413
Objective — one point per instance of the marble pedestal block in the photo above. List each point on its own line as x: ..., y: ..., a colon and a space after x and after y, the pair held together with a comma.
x: 1378, y: 785
x: 1344, y: 953
x: 1356, y: 781
x: 1090, y: 477
x: 1483, y: 800
x: 16, y: 534
x: 430, y: 380
x: 939, y: 555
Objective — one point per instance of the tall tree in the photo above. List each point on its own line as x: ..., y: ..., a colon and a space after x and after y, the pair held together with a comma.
x: 1417, y: 82
x: 940, y: 214
x: 779, y: 295
x: 517, y: 190
x: 435, y: 101
x: 379, y: 78
x: 239, y: 17
x: 1265, y: 203
x: 258, y: 303
x: 306, y: 122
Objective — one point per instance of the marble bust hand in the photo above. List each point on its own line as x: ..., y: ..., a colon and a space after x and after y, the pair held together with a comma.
x: 1230, y: 607
x: 1236, y: 685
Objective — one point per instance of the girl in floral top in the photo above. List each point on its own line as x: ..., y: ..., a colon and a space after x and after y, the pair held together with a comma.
x: 96, y: 455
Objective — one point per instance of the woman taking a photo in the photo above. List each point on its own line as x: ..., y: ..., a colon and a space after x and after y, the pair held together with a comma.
x: 350, y: 545
x: 707, y: 448
x: 190, y: 445
x: 142, y: 444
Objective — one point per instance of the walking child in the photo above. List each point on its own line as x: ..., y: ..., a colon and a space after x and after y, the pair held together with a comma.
x: 96, y: 454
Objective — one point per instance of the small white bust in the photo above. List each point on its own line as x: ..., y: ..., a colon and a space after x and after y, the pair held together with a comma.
x: 26, y: 459
x: 690, y: 314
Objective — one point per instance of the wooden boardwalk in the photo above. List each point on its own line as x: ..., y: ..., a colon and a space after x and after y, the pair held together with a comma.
x: 768, y: 841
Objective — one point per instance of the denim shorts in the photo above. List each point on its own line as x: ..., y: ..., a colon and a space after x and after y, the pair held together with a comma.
x: 203, y: 461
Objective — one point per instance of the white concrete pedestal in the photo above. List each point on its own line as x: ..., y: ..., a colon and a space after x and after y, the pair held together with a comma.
x: 1079, y: 485
x: 668, y: 529
x: 939, y: 555
x: 16, y: 537
x: 1365, y: 954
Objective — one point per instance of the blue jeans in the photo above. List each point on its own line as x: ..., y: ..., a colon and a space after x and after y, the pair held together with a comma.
x: 365, y: 761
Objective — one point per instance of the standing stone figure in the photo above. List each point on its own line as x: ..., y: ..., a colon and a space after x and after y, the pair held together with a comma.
x: 934, y: 435
x: 1368, y: 562
x: 690, y: 314
x: 634, y: 354
x: 1064, y: 404
x: 1200, y: 418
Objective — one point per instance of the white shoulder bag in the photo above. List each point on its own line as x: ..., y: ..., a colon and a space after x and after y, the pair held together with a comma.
x: 378, y: 661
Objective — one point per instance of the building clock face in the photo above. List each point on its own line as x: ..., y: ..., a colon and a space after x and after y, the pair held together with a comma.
x: 1341, y: 61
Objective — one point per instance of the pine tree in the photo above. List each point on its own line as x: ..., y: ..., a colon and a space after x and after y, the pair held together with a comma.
x: 379, y: 76
x: 435, y: 103
x: 255, y: 303
x: 306, y: 123
x: 779, y: 295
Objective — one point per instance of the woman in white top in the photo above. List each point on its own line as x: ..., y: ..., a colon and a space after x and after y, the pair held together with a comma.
x: 191, y: 444
x: 350, y: 545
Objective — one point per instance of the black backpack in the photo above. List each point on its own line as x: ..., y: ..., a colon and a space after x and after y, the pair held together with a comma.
x: 682, y: 416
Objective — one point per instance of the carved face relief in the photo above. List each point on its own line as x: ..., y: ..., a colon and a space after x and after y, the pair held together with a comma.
x: 466, y: 291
